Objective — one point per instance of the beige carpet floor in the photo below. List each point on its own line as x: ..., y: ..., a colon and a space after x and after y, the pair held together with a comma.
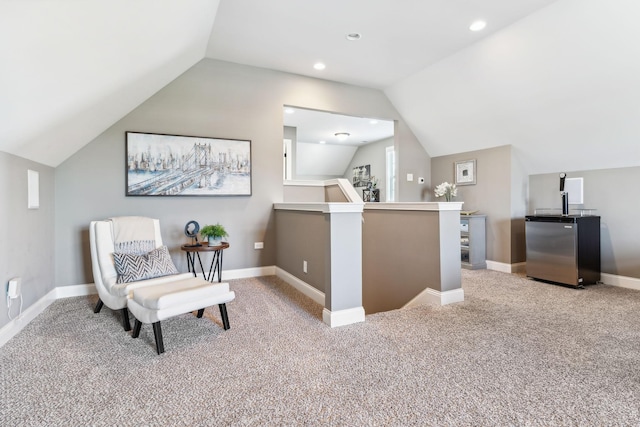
x: 516, y: 352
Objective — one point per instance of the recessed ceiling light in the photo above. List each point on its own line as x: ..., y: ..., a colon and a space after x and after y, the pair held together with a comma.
x: 319, y: 66
x: 342, y: 136
x: 289, y: 110
x: 353, y: 36
x: 478, y: 26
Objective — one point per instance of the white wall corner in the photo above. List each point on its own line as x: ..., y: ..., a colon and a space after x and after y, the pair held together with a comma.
x: 433, y: 297
x: 343, y: 317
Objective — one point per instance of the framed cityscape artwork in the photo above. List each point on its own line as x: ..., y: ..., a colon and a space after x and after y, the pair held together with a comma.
x: 174, y: 165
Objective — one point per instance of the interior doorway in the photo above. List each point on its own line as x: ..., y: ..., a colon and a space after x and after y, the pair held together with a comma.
x: 287, y: 160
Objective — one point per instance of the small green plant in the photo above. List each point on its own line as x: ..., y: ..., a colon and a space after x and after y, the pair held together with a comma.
x: 216, y: 230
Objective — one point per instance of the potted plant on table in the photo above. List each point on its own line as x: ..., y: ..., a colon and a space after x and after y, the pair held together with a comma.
x: 214, y: 234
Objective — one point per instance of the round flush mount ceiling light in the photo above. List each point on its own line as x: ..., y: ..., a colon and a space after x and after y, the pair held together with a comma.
x: 342, y: 136
x: 353, y: 36
x: 322, y: 142
x: 289, y: 110
x: 319, y: 66
x: 478, y: 26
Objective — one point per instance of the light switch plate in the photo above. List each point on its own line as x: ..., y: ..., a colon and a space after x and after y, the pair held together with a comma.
x: 409, y: 177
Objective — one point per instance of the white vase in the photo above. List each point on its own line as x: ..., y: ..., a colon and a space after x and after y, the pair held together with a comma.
x: 215, y: 241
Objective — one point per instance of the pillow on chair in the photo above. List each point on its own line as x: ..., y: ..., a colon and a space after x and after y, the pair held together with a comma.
x: 131, y: 267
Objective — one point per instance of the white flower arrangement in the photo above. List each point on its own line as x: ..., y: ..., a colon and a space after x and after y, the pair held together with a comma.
x: 449, y: 191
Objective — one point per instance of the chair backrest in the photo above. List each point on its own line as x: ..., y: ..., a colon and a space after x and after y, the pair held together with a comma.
x: 102, y: 262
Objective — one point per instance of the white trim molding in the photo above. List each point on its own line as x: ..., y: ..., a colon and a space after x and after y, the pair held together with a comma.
x: 519, y: 267
x: 343, y: 317
x: 301, y: 286
x: 433, y: 297
x: 621, y: 281
x: 12, y: 328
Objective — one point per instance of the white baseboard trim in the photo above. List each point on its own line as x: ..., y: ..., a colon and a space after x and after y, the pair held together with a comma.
x: 343, y: 317
x: 75, y: 291
x: 519, y: 267
x: 301, y: 286
x: 12, y: 328
x: 606, y: 278
x: 433, y: 297
x: 243, y: 273
x: 622, y: 281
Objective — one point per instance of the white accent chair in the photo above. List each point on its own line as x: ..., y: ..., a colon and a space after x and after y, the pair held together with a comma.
x: 150, y: 300
x: 115, y: 295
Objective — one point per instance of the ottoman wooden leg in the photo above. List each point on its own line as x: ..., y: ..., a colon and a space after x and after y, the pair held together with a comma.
x: 157, y: 332
x: 225, y: 317
x: 125, y: 319
x: 136, y: 329
x: 200, y: 313
x: 99, y: 305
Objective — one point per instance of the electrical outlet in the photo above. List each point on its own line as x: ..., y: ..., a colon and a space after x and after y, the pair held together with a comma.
x: 304, y: 266
x: 258, y: 245
x: 13, y: 288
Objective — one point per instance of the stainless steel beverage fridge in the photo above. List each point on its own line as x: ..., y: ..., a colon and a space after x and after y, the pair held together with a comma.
x: 563, y: 248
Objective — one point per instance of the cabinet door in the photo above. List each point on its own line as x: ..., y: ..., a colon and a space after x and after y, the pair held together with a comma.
x: 551, y: 251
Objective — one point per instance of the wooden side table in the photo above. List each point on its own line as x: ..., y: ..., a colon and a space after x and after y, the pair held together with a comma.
x: 216, y: 263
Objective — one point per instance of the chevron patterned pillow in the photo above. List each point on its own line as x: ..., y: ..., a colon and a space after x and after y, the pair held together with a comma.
x: 131, y: 267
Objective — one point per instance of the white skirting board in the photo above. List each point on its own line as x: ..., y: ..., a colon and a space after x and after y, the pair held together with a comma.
x: 606, y: 278
x: 301, y: 286
x: 433, y: 297
x: 343, y: 317
x: 428, y: 296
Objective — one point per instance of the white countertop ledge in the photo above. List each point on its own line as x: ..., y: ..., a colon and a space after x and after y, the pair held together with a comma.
x: 415, y: 206
x: 337, y: 207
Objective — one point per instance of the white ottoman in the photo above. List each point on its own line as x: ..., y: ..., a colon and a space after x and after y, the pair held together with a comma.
x: 155, y: 303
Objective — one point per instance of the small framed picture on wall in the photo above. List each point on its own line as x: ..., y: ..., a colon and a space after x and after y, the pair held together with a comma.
x: 465, y: 172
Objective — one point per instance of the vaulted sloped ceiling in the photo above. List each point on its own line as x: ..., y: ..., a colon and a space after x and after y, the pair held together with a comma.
x: 70, y: 69
x: 556, y: 79
x: 561, y: 86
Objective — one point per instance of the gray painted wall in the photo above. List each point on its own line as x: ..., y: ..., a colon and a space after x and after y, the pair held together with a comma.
x: 614, y: 195
x: 493, y: 195
x: 303, y: 236
x: 404, y: 252
x: 217, y: 99
x: 26, y: 237
x: 373, y: 154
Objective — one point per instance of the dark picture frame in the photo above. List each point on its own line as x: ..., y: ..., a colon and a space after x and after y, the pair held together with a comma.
x: 361, y: 176
x: 465, y: 172
x: 180, y: 165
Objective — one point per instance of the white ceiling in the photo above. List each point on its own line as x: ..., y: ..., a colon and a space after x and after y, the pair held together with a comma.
x: 399, y: 38
x: 545, y: 76
x: 314, y: 126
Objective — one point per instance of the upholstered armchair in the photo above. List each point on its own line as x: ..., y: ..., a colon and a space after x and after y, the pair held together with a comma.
x: 130, y: 235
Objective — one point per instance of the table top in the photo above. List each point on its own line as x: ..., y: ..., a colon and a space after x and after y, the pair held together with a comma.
x: 204, y: 247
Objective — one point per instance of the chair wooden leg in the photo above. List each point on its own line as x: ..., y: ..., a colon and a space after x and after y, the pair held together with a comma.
x: 136, y: 329
x: 200, y: 313
x: 125, y: 319
x: 98, y: 307
x: 157, y: 332
x: 225, y: 317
